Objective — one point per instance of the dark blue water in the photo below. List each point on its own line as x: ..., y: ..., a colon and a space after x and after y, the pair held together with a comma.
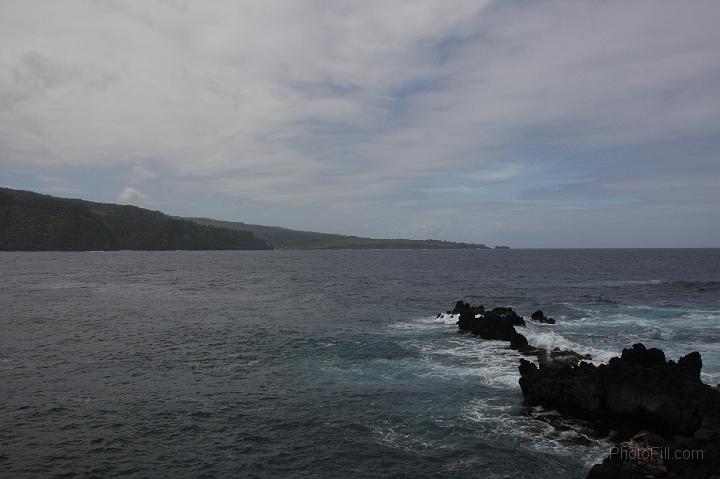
x: 317, y: 364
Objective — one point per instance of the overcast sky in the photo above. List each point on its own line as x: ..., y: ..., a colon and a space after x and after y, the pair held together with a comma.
x: 533, y: 124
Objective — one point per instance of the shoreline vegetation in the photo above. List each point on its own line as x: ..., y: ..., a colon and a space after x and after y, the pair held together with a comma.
x: 32, y: 221
x: 664, y: 420
x: 284, y: 238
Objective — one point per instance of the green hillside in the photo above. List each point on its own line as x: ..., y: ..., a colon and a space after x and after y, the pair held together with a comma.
x: 284, y: 238
x: 34, y: 222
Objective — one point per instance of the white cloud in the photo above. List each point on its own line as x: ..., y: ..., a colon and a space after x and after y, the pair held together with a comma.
x: 131, y: 196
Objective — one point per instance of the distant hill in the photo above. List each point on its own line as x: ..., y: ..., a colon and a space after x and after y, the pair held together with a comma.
x: 34, y: 222
x: 284, y: 238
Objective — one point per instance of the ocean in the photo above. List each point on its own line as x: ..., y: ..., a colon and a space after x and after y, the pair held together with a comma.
x: 319, y: 363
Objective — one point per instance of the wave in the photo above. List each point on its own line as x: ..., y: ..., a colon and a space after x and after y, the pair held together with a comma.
x: 700, y: 286
x: 536, y: 430
x: 596, y: 299
x: 599, y: 333
x: 550, y: 338
x: 491, y: 363
x: 627, y: 282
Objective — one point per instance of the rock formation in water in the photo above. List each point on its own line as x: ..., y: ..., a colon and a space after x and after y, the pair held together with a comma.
x: 639, y: 391
x: 540, y: 317
x: 666, y: 421
x: 498, y: 323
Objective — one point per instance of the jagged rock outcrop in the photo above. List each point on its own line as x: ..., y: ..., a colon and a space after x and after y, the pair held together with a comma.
x: 509, y: 315
x: 639, y: 391
x: 463, y: 307
x: 497, y: 324
x: 540, y: 317
x: 648, y: 455
x: 668, y: 420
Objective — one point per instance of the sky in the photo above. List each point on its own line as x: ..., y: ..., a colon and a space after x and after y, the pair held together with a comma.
x: 531, y: 124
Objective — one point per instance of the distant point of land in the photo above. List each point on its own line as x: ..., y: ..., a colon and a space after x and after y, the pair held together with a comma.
x: 35, y: 222
x: 284, y: 238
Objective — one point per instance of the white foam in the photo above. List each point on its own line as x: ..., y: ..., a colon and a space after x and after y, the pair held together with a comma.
x: 447, y: 318
x: 491, y: 362
x: 549, y: 338
x: 501, y: 421
x: 626, y: 282
x: 710, y: 378
x: 390, y: 437
x: 712, y: 316
x: 425, y: 322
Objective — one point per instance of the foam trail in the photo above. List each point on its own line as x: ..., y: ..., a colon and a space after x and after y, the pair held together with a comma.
x: 548, y: 337
x: 502, y: 421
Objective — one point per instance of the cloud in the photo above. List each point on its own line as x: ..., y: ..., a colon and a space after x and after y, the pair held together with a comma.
x: 131, y: 196
x: 308, y: 106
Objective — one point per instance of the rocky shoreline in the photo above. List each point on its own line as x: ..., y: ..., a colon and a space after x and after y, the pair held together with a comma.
x: 664, y: 420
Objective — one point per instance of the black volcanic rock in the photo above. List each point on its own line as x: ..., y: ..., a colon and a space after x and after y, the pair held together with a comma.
x: 499, y: 324
x: 661, y: 405
x: 639, y: 391
x: 491, y: 328
x: 510, y: 315
x: 519, y: 342
x: 467, y: 320
x: 639, y: 355
x: 647, y: 455
x: 540, y: 317
x: 462, y: 306
x: 692, y: 363
x: 488, y: 326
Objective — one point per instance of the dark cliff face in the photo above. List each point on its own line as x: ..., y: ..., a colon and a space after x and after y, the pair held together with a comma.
x: 34, y: 222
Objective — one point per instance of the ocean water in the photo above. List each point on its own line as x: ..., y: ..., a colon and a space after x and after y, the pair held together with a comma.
x: 318, y: 363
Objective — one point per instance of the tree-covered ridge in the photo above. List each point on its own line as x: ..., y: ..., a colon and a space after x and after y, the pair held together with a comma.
x: 284, y: 238
x: 34, y: 222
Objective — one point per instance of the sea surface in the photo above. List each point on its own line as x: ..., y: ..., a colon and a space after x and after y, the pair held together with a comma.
x: 318, y: 363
